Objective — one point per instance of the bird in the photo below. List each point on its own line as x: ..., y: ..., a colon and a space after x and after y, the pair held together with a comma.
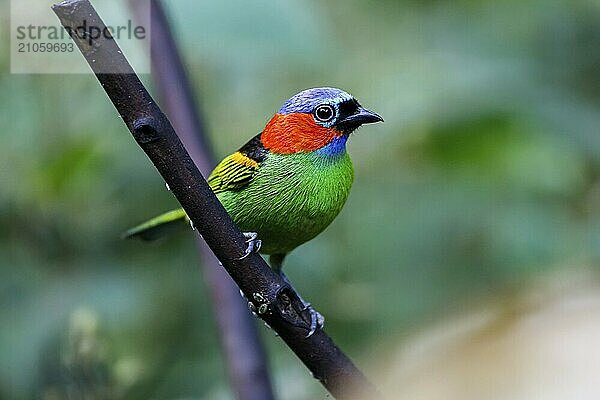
x: 289, y: 182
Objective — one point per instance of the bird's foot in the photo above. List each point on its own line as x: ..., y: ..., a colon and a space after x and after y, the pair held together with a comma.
x: 317, y: 321
x: 254, y: 244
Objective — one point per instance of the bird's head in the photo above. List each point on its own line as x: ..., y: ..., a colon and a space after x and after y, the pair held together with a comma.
x: 314, y: 119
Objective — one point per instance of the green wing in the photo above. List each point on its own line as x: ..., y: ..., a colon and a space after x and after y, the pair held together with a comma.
x: 233, y: 173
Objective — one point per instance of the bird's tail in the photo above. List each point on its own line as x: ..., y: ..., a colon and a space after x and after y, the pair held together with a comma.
x: 159, y: 226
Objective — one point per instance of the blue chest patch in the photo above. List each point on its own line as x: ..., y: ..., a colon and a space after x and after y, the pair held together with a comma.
x: 336, y: 147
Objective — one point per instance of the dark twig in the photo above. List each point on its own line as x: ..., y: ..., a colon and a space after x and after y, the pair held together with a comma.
x: 244, y: 354
x: 277, y: 303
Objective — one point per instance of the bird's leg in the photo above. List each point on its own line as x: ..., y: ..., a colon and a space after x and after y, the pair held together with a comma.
x: 276, y: 261
x: 316, y: 319
x: 254, y: 244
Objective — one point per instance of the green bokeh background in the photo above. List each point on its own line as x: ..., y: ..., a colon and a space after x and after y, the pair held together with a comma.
x: 485, y: 175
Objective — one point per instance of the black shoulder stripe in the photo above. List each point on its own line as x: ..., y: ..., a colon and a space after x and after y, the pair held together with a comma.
x: 254, y: 149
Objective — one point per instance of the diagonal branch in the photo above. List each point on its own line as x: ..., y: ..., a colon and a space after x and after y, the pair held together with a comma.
x: 243, y: 351
x: 278, y: 304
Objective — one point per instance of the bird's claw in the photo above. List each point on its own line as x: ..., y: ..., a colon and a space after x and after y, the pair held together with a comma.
x: 317, y: 321
x: 253, y: 244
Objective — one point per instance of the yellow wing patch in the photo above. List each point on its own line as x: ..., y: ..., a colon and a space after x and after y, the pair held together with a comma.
x: 244, y: 160
x: 233, y: 173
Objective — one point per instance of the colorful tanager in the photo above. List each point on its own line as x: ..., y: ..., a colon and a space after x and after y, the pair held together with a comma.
x: 289, y: 182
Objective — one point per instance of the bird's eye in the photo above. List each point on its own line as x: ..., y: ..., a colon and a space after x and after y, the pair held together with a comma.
x: 324, y: 113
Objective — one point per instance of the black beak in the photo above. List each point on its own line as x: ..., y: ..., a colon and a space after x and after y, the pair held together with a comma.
x: 360, y: 117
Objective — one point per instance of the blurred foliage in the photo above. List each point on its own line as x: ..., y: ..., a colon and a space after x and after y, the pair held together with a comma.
x: 485, y: 175
x: 538, y: 343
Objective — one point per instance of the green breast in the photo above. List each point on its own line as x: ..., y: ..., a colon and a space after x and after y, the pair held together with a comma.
x: 292, y: 198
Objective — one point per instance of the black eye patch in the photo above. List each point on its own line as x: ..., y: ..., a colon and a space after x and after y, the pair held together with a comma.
x: 347, y: 108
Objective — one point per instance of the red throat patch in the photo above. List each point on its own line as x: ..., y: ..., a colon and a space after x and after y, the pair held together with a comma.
x: 295, y: 133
